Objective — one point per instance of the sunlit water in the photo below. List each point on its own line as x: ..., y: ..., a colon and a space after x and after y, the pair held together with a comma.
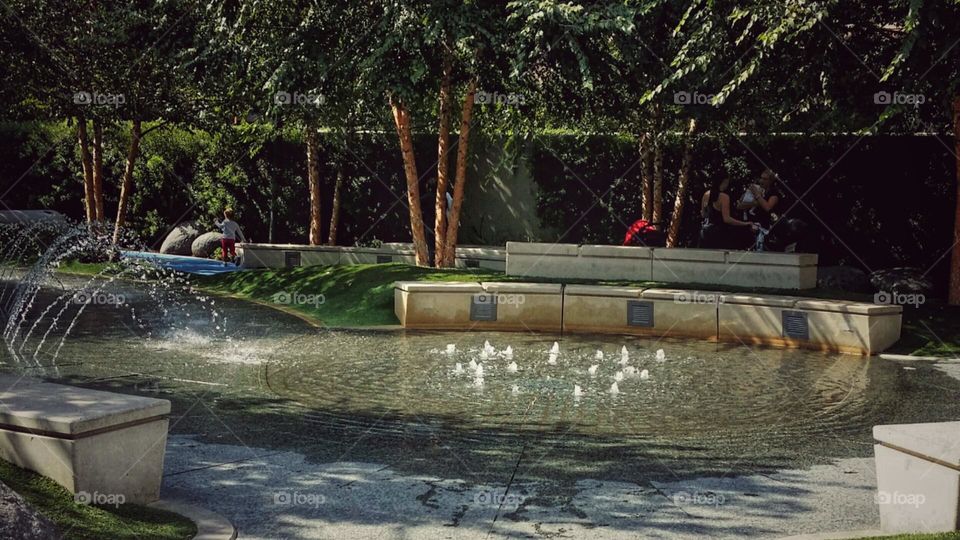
x: 719, y: 401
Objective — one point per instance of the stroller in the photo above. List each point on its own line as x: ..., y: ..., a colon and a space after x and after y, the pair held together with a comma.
x: 646, y: 234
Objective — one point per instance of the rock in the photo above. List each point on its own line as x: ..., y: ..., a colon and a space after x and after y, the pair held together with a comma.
x: 844, y: 278
x: 902, y: 280
x: 205, y: 244
x: 180, y: 239
x: 19, y: 520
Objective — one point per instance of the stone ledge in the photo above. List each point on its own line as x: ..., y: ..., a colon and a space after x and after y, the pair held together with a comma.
x: 210, y: 525
x: 85, y: 440
x: 935, y: 441
x: 783, y: 321
x: 603, y: 291
x: 670, y: 265
x: 70, y: 411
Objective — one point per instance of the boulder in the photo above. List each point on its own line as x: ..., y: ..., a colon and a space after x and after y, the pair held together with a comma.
x: 205, y: 244
x: 19, y: 520
x: 180, y: 239
x: 844, y: 278
x: 902, y: 280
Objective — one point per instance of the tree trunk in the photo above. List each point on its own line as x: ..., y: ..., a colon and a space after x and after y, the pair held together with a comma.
x: 335, y: 209
x: 98, y: 170
x: 313, y: 179
x: 401, y: 120
x: 453, y: 223
x: 657, y: 215
x: 683, y: 184
x: 126, y: 188
x: 86, y: 162
x: 954, y: 298
x: 646, y: 177
x: 443, y: 147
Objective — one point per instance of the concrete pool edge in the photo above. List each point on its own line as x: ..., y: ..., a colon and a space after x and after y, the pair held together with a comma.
x: 780, y: 321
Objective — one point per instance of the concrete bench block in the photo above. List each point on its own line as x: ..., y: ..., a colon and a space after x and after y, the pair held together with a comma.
x: 518, y: 306
x: 769, y: 276
x: 481, y: 257
x: 918, y: 477
x: 424, y: 304
x: 752, y: 325
x: 852, y: 333
x: 320, y: 258
x: 572, y: 291
x: 543, y: 248
x: 356, y: 255
x: 848, y: 327
x: 597, y: 309
x: 85, y: 440
x: 613, y: 263
x: 525, y: 306
x: 687, y: 265
x: 542, y: 260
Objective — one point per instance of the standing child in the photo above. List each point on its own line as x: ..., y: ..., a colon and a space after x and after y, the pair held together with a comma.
x: 231, y: 231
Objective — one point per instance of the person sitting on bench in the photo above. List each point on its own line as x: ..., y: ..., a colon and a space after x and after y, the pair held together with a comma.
x: 720, y: 229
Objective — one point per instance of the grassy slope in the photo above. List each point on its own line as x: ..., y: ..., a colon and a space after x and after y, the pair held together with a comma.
x: 82, y: 522
x: 362, y: 295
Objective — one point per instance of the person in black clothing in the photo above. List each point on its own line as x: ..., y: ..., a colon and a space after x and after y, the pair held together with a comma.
x: 766, y: 205
x: 720, y: 229
x: 763, y: 206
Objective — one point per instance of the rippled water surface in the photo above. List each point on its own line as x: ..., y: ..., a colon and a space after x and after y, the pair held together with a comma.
x: 725, y: 401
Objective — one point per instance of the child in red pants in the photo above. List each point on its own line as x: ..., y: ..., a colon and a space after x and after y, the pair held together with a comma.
x: 231, y: 232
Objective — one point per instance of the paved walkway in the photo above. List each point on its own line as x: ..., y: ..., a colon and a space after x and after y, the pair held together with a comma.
x: 271, y: 494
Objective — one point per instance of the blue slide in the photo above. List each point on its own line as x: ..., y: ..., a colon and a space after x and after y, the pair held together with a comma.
x: 181, y: 263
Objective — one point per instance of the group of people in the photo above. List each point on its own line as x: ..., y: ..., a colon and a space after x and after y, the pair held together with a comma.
x: 741, y: 225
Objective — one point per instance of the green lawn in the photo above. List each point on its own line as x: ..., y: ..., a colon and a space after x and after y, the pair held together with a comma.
x: 81, y: 522
x: 362, y: 295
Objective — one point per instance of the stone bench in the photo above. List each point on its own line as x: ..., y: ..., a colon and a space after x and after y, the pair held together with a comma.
x: 99, y: 443
x: 637, y: 311
x: 830, y: 325
x: 668, y: 265
x: 918, y: 477
x: 257, y: 255
x: 481, y: 306
x: 785, y: 321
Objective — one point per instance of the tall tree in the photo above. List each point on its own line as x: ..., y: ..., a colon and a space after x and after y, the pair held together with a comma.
x: 428, y: 54
x: 296, y: 62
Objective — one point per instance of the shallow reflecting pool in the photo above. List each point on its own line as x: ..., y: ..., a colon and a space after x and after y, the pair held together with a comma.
x: 270, y: 379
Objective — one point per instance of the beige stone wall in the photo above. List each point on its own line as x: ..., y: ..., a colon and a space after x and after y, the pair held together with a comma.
x: 669, y: 265
x: 748, y: 319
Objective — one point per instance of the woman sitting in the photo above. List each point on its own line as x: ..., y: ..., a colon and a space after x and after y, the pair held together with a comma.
x: 720, y: 230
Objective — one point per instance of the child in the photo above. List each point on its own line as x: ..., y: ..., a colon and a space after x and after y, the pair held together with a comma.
x: 231, y: 231
x: 746, y: 202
